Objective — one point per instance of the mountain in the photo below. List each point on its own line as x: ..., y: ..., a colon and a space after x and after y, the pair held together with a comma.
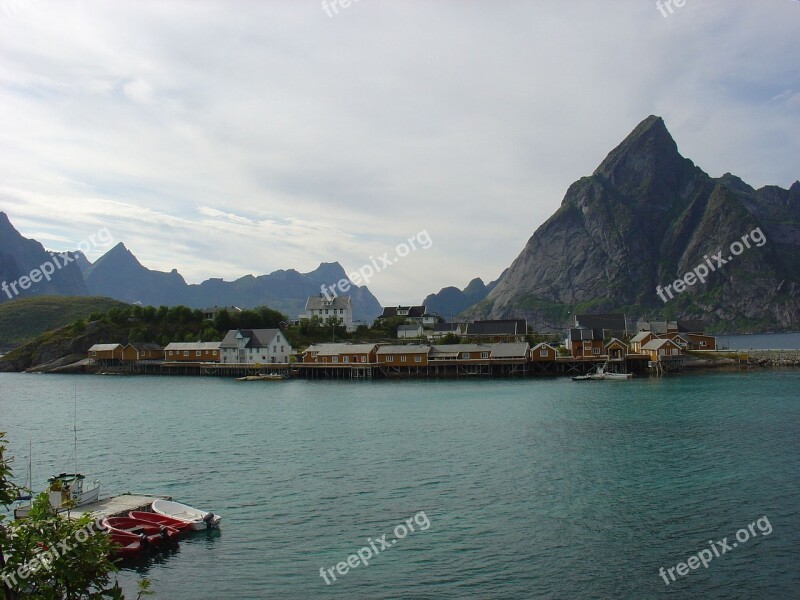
x: 286, y: 291
x: 451, y: 301
x: 118, y: 274
x: 23, y: 257
x: 644, y: 218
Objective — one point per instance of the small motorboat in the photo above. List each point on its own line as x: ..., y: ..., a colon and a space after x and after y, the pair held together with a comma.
x: 601, y: 374
x: 127, y: 544
x: 150, y: 533
x: 263, y: 377
x: 582, y: 378
x: 197, y: 519
x: 158, y: 519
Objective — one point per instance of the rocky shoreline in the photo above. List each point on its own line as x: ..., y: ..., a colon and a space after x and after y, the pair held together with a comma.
x: 773, y: 358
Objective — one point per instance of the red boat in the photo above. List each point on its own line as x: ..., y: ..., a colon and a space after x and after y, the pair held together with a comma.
x: 148, y: 533
x: 157, y: 519
x: 126, y: 544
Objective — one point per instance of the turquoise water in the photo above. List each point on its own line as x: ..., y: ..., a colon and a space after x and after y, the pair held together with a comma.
x: 532, y: 489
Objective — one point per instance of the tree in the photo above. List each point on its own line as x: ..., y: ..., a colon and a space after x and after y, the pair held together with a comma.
x: 270, y: 319
x: 223, y: 322
x: 49, y: 556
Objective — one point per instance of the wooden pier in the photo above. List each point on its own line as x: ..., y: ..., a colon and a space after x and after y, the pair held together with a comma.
x: 638, y: 364
x: 114, y: 506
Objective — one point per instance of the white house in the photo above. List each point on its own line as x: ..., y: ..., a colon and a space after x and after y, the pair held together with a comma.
x: 414, y: 330
x: 255, y: 346
x: 339, y: 307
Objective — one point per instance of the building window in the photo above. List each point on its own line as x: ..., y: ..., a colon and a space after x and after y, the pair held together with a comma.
x: 186, y: 353
x: 282, y: 348
x: 675, y: 351
x: 543, y: 353
x: 403, y: 358
x: 390, y: 358
x: 418, y: 359
x: 702, y: 344
x: 465, y: 355
x: 363, y: 359
x: 198, y: 353
x: 335, y: 359
x: 595, y: 350
x: 346, y: 359
x: 484, y: 355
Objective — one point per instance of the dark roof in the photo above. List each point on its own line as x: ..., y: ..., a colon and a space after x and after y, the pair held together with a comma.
x: 445, y: 326
x: 613, y: 322
x: 140, y: 346
x: 321, y: 301
x: 256, y: 338
x: 691, y: 326
x: 581, y: 334
x: 498, y: 327
x: 413, y: 311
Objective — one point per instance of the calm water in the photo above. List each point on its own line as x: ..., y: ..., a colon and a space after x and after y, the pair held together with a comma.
x: 533, y: 489
x: 766, y: 341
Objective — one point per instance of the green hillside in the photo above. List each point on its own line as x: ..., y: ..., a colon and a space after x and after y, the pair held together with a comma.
x: 24, y: 319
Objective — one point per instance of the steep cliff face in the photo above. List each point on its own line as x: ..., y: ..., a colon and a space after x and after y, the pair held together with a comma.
x: 644, y: 218
x: 20, y: 256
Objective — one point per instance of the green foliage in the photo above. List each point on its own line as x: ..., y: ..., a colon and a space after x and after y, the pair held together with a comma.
x: 24, y: 319
x: 51, y: 557
x: 450, y: 338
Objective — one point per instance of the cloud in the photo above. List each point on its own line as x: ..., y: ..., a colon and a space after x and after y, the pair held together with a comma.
x: 225, y: 138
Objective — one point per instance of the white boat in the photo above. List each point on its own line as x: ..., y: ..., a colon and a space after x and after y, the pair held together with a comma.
x: 617, y: 376
x: 197, y: 519
x: 65, y: 491
x: 601, y: 374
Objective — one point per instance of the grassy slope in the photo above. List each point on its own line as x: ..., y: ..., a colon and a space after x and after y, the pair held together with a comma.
x: 24, y: 319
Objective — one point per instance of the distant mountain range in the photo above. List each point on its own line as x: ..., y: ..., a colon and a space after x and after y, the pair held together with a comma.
x: 451, y: 301
x: 119, y: 275
x: 643, y: 219
x: 646, y: 217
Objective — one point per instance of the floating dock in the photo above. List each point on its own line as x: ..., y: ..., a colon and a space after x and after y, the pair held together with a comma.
x: 114, y: 506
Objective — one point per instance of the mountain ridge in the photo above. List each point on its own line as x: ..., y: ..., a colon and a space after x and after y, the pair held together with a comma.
x: 644, y: 218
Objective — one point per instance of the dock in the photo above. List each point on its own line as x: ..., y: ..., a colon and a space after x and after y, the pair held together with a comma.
x: 114, y: 506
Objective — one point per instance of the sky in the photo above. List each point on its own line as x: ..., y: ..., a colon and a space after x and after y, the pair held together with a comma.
x: 241, y: 137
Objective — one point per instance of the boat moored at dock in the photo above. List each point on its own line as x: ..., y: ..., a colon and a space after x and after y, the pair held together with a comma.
x: 197, y: 519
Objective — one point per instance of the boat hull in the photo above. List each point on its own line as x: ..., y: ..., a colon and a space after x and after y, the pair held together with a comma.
x: 158, y: 519
x: 196, y: 519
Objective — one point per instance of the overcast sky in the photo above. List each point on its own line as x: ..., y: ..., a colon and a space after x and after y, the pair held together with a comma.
x: 227, y: 138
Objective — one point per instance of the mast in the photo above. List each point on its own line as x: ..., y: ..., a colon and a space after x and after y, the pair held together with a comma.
x: 75, y: 428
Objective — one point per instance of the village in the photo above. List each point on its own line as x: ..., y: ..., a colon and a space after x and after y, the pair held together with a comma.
x: 425, y: 346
